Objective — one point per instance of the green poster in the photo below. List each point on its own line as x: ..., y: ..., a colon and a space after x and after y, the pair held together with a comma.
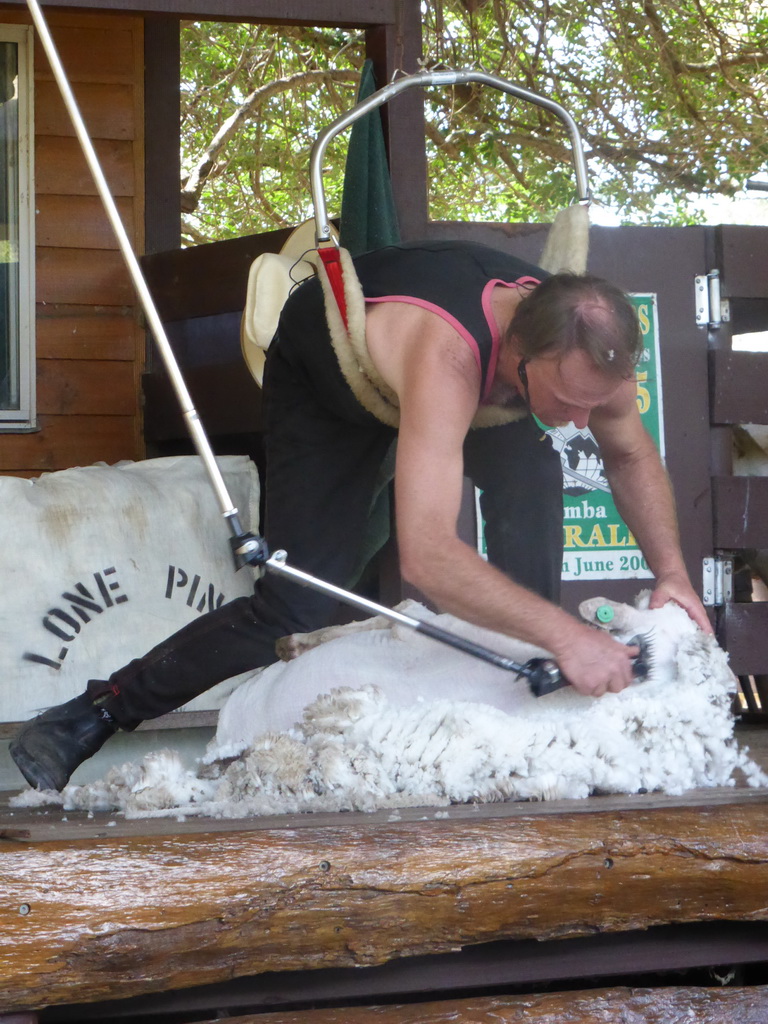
x: 597, y: 543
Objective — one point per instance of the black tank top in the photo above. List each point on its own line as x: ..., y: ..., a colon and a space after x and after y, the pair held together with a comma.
x: 452, y: 279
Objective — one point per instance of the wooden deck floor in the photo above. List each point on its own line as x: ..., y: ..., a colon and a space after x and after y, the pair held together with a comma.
x: 99, y: 908
x: 54, y: 824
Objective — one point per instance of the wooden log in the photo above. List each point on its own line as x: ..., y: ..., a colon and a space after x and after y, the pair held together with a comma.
x: 114, y: 917
x: 599, y: 1006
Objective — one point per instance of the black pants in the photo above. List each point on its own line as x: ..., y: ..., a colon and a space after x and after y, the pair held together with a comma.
x: 324, y: 455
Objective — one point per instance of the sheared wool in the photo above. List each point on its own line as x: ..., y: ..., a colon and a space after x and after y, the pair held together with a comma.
x: 389, y: 718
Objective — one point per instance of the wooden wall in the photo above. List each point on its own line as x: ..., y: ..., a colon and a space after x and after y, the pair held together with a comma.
x: 90, y: 348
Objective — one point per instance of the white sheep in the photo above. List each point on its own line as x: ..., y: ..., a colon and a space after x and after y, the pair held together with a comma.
x: 377, y: 716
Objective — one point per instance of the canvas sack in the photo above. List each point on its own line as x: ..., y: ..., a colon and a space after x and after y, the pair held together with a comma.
x: 101, y: 563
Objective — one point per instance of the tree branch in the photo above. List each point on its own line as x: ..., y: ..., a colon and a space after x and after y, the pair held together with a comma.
x: 669, y: 56
x: 193, y: 185
x: 758, y: 58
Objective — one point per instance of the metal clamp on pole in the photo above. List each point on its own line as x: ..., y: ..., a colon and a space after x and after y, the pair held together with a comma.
x: 249, y: 549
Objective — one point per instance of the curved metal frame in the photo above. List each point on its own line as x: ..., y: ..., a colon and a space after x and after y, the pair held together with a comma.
x: 426, y: 78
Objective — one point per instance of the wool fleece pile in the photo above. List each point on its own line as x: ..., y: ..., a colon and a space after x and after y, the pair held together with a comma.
x: 381, y: 717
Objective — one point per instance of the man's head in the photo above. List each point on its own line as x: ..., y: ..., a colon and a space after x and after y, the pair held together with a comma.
x: 582, y: 337
x: 578, y: 311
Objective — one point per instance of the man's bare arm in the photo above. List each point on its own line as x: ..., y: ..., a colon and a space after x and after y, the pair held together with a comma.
x: 438, y: 384
x: 643, y: 495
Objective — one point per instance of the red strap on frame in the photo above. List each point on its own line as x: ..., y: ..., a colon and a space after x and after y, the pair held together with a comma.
x: 331, y: 258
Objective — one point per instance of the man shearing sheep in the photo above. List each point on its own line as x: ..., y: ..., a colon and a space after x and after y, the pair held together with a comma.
x: 461, y: 344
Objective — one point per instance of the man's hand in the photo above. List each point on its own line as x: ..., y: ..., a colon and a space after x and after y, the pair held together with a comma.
x: 677, y: 587
x: 594, y: 663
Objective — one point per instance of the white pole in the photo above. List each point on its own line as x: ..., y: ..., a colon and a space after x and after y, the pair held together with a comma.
x: 194, y: 426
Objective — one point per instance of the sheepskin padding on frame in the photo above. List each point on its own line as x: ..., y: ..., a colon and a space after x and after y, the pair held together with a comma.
x: 391, y: 719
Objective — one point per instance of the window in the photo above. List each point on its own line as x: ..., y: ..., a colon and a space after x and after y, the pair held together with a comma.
x: 17, y: 311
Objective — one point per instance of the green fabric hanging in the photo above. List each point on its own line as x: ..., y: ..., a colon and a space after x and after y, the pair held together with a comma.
x: 368, y: 217
x: 369, y: 221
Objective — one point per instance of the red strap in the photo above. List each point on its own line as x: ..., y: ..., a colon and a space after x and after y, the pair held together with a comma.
x: 331, y: 258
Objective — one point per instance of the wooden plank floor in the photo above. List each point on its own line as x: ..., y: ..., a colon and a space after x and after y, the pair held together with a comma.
x: 602, y: 1006
x: 98, y: 908
x: 54, y: 824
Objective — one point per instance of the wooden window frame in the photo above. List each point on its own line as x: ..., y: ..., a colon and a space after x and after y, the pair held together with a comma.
x: 24, y: 417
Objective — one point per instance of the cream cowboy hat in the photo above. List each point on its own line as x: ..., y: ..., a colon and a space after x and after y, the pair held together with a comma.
x: 271, y: 279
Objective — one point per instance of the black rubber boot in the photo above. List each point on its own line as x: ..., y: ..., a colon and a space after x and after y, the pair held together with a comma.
x: 49, y: 748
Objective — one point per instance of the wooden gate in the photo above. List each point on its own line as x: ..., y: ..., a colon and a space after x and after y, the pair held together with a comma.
x: 739, y: 395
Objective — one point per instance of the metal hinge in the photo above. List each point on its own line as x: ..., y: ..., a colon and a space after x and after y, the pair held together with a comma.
x: 717, y: 587
x: 711, y: 309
